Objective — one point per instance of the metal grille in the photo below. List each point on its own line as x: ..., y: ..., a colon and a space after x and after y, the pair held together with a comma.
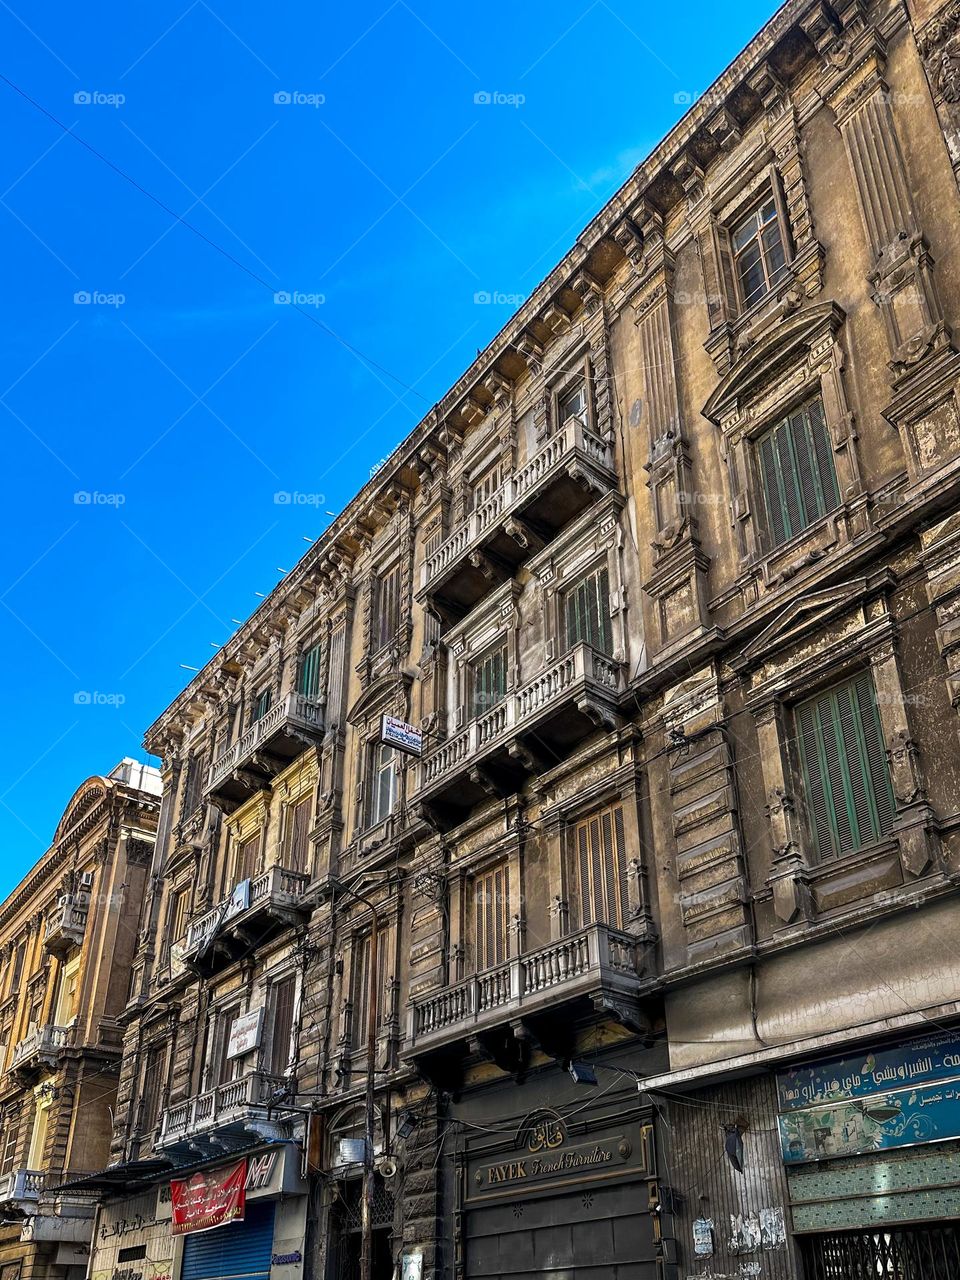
x: 351, y: 1211
x: 904, y: 1253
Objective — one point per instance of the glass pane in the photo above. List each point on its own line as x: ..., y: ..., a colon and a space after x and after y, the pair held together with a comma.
x: 743, y: 234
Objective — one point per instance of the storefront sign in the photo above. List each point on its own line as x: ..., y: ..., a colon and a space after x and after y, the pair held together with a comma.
x: 209, y: 1199
x: 550, y: 1154
x: 876, y: 1101
x: 245, y: 1034
x: 399, y: 734
x: 286, y: 1259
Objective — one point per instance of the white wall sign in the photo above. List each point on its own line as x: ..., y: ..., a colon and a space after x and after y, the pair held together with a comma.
x: 245, y: 1034
x: 399, y: 734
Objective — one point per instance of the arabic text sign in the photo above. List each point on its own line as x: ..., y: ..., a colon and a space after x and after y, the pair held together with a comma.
x: 245, y: 1033
x: 914, y: 1063
x: 399, y: 734
x: 210, y: 1199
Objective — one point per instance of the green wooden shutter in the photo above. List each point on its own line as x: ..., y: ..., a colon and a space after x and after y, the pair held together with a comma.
x: 797, y: 472
x: 846, y: 779
x: 309, y: 681
x: 587, y: 612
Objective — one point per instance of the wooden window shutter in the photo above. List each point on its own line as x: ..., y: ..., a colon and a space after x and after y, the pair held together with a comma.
x: 298, y: 829
x: 308, y: 682
x: 601, y: 869
x: 281, y: 1033
x: 491, y: 918
x: 846, y: 779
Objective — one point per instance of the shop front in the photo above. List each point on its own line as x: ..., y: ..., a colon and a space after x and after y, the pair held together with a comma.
x: 568, y: 1187
x: 244, y: 1217
x: 871, y: 1146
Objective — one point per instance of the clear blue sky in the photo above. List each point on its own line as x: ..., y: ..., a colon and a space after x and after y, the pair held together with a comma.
x: 183, y: 408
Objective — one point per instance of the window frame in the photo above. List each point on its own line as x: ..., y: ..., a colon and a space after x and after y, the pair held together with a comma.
x: 375, y: 815
x: 771, y: 279
x: 601, y: 572
x: 499, y: 649
x: 606, y: 891
x: 310, y: 671
x: 880, y: 807
x: 261, y: 704
x: 385, y: 620
x: 770, y: 541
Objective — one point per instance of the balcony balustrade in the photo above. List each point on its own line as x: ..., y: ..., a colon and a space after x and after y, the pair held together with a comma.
x: 40, y: 1047
x: 532, y: 726
x: 530, y: 507
x: 21, y: 1188
x: 255, y: 910
x: 227, y: 1115
x: 66, y: 923
x: 595, y: 962
x: 264, y: 750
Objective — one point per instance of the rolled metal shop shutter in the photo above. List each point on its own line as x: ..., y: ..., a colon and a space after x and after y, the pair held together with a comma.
x: 239, y: 1251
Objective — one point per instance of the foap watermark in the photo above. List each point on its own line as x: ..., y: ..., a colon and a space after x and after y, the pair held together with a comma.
x: 94, y: 498
x: 695, y: 298
x: 296, y: 98
x: 97, y: 298
x: 96, y: 98
x: 95, y: 698
x: 687, y: 97
x: 297, y: 298
x: 295, y: 498
x: 497, y: 298
x: 494, y: 98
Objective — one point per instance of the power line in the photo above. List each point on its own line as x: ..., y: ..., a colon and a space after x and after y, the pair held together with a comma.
x: 368, y: 360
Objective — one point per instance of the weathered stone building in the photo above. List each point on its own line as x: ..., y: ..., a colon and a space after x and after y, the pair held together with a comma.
x: 669, y: 581
x: 67, y: 936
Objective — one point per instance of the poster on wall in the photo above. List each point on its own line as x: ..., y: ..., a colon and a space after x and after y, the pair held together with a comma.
x: 209, y: 1199
x: 875, y: 1102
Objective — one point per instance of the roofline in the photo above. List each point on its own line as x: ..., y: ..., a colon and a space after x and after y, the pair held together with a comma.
x: 620, y: 204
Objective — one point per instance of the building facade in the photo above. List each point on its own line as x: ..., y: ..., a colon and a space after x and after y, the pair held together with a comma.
x: 648, y: 954
x: 66, y: 943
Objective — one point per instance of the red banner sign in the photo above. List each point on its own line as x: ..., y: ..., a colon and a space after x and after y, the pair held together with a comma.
x: 209, y: 1199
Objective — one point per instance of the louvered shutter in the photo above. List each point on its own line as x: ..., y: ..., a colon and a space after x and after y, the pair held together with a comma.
x: 601, y: 868
x: 281, y: 1031
x: 823, y: 453
x: 309, y: 681
x: 875, y: 756
x: 491, y: 907
x: 298, y: 820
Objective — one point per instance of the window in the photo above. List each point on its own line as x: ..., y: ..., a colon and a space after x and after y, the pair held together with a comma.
x: 245, y: 858
x: 490, y: 680
x: 601, y: 871
x: 384, y: 782
x: 386, y: 613
x: 797, y: 471
x: 10, y: 1139
x: 758, y: 253
x: 485, y: 486
x: 491, y: 912
x: 586, y: 609
x: 151, y: 1086
x: 177, y: 915
x: 193, y: 783
x: 41, y: 1124
x: 282, y: 1000
x: 18, y: 959
x: 572, y: 403
x: 68, y: 993
x: 227, y: 1068
x: 261, y: 705
x: 308, y: 679
x: 296, y: 842
x: 846, y: 782
x: 360, y: 987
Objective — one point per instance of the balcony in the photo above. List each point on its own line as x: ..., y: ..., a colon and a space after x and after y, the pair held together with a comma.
x: 226, y: 1117
x: 22, y: 1188
x: 267, y: 747
x: 254, y: 912
x: 596, y: 967
x: 531, y: 729
x: 526, y: 512
x: 66, y: 924
x: 40, y: 1047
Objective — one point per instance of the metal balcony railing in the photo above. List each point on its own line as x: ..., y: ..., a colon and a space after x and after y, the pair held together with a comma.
x: 275, y: 887
x: 236, y: 1104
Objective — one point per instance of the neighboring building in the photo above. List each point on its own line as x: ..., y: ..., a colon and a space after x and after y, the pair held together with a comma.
x: 67, y: 937
x: 669, y: 581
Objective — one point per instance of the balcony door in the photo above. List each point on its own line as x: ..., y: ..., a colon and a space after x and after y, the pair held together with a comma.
x: 227, y: 1068
x: 245, y: 859
x: 491, y: 917
x: 600, y: 871
x: 282, y: 1002
x: 296, y: 842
